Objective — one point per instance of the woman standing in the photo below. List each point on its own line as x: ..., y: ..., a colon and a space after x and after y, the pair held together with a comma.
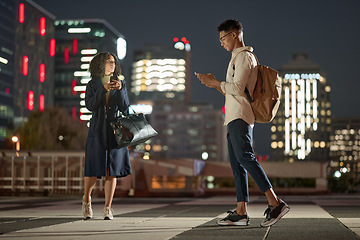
x: 104, y: 96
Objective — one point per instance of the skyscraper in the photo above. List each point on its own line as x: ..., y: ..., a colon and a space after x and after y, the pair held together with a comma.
x: 77, y: 42
x: 162, y: 72
x: 301, y: 128
x: 7, y: 52
x: 34, y: 63
x: 345, y: 146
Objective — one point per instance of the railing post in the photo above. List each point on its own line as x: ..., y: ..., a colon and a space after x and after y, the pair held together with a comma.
x: 12, y: 174
x: 24, y: 172
x: 66, y: 173
x: 38, y: 172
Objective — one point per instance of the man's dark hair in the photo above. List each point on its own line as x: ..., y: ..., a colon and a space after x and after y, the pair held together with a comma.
x: 229, y: 25
x: 97, y: 65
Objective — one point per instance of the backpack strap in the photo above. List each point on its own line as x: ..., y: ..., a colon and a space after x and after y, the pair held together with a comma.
x: 257, y: 61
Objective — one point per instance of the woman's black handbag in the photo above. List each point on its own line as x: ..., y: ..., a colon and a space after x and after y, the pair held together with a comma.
x: 132, y: 129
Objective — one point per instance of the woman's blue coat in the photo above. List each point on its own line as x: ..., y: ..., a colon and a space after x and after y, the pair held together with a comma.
x: 101, y: 147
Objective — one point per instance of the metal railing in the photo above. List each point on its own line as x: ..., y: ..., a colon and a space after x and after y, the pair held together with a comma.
x: 42, y: 172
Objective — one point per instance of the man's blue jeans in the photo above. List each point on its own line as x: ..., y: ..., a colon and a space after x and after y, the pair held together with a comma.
x: 242, y: 159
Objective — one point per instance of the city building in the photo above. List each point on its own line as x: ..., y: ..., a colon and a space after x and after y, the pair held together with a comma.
x: 301, y: 129
x: 33, y: 58
x: 7, y: 62
x: 345, y: 146
x: 188, y: 131
x: 77, y: 42
x: 162, y: 72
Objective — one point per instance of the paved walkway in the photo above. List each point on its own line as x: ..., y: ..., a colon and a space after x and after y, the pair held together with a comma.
x: 311, y: 217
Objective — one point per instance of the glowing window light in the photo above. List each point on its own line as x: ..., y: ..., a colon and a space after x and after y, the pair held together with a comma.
x: 73, y: 85
x: 42, y: 72
x: 85, y: 66
x: 85, y: 80
x: 30, y: 100
x: 81, y: 74
x: 75, y: 46
x: 315, y: 126
x: 25, y: 67
x: 293, y: 104
x: 315, y: 108
x: 315, y: 89
x: 84, y: 110
x: 3, y: 60
x: 42, y: 26
x: 79, y: 88
x: 308, y: 121
x: 308, y: 90
x: 287, y: 102
x: 86, y: 59
x: 21, y: 13
x: 308, y: 145
x: 66, y: 55
x: 88, y: 52
x: 293, y: 143
x: 121, y: 48
x: 41, y: 102
x: 79, y: 30
x: 85, y: 117
x: 287, y: 136
x: 52, y: 47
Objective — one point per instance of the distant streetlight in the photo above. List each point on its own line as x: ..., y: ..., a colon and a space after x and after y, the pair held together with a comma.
x: 16, y: 140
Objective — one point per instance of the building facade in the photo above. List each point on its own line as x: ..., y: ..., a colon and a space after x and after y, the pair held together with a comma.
x: 162, y: 72
x: 7, y: 61
x: 345, y: 146
x: 188, y: 131
x: 33, y: 58
x: 77, y: 42
x: 301, y: 129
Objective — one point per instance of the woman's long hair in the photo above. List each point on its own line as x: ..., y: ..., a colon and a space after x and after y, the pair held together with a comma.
x: 97, y: 65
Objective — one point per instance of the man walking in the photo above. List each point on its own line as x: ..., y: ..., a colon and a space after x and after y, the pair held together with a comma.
x: 239, y: 119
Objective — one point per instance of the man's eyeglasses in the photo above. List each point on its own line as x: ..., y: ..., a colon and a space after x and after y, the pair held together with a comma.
x: 223, y: 37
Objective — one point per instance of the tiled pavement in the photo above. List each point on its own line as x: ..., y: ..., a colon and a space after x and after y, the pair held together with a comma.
x: 311, y: 217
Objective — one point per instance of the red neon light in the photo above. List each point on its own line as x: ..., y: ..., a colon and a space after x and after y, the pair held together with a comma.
x: 183, y: 39
x: 66, y: 55
x: 73, y: 111
x: 21, y: 13
x: 25, y: 65
x: 175, y: 39
x: 30, y: 100
x: 7, y: 90
x: 75, y: 46
x: 42, y: 26
x: 73, y: 85
x: 52, y: 47
x: 42, y: 72
x: 41, y: 102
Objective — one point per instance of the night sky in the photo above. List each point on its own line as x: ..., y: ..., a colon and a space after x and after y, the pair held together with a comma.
x: 327, y: 30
